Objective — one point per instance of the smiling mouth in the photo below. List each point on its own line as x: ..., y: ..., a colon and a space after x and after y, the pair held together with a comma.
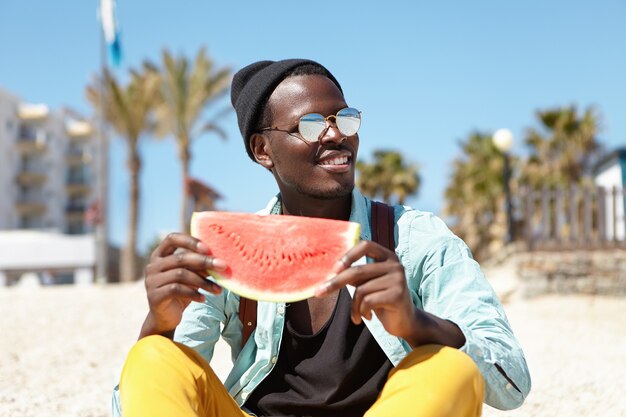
x: 337, y: 161
x: 337, y: 164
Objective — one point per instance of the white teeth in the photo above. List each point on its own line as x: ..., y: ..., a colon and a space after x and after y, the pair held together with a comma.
x: 342, y: 160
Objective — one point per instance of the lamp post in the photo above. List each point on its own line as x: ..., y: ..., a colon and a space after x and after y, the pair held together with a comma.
x: 503, y: 140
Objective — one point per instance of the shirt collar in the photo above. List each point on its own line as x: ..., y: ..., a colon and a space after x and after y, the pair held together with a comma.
x: 359, y: 211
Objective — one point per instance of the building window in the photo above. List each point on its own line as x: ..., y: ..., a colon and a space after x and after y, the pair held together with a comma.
x: 75, y: 228
x: 30, y: 222
x: 76, y: 204
x: 77, y: 175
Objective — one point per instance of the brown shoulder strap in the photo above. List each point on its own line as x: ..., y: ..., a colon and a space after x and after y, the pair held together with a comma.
x: 383, y: 225
x: 382, y: 232
x: 247, y: 315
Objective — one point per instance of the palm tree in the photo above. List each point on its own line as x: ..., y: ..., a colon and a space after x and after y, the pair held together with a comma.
x: 474, y: 196
x: 388, y: 177
x: 186, y: 91
x: 563, y: 150
x: 127, y: 110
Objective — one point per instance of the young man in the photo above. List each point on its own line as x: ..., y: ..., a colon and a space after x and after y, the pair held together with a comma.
x: 413, y: 332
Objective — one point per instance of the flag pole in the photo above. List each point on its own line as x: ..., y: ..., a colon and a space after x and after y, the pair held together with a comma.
x: 102, y: 238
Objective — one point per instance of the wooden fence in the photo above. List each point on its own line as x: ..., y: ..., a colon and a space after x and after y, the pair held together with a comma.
x: 573, y: 217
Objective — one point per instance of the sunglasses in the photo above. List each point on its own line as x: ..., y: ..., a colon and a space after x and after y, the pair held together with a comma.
x: 313, y: 126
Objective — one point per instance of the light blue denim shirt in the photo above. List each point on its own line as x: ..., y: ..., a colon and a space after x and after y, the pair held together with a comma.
x: 443, y: 279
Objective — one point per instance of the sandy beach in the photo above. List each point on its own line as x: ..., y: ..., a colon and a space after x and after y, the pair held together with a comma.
x: 62, y: 347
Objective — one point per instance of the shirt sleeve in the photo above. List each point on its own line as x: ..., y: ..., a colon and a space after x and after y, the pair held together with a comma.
x: 116, y: 404
x: 451, y: 286
x: 202, y: 324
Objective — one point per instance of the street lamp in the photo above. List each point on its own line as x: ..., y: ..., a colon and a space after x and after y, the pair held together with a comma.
x: 503, y: 140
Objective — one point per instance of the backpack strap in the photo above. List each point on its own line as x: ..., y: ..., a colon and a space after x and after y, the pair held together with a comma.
x: 247, y: 315
x: 382, y: 222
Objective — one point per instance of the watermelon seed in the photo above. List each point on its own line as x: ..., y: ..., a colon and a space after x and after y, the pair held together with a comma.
x: 215, y: 228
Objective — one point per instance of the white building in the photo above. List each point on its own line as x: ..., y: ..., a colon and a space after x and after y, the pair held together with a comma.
x: 610, y: 174
x: 47, y: 185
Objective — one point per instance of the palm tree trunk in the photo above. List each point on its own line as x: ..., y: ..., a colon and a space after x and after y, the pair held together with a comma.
x: 128, y: 264
x: 185, y: 157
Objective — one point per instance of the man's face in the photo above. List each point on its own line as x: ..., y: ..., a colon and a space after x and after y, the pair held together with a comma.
x: 323, y: 169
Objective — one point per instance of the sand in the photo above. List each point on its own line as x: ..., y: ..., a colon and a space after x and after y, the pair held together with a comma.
x: 61, y: 349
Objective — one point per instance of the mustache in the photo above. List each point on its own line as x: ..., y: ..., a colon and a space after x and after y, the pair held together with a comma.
x: 336, y: 147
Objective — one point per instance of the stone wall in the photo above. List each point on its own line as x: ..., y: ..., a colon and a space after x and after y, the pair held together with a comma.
x: 601, y: 272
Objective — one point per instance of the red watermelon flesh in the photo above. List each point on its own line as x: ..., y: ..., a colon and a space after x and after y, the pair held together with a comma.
x: 276, y: 258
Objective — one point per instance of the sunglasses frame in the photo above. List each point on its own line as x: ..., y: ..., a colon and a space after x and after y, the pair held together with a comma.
x: 321, y: 134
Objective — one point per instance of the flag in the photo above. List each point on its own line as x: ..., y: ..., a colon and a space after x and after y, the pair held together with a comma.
x: 111, y: 29
x: 93, y: 215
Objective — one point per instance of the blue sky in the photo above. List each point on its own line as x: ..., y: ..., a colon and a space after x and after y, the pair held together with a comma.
x: 425, y: 75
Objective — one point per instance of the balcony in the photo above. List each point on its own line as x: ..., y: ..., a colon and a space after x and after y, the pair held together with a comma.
x: 76, y: 129
x: 31, y: 140
x: 33, y: 112
x: 77, y: 185
x: 75, y: 212
x: 28, y: 177
x: 30, y: 205
x: 77, y: 156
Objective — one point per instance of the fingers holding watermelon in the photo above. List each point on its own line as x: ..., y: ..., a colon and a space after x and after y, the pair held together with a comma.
x: 175, y: 241
x: 177, y: 270
x: 380, y: 287
x: 193, y: 260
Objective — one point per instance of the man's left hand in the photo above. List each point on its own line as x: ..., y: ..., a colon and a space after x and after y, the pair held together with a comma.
x: 381, y: 287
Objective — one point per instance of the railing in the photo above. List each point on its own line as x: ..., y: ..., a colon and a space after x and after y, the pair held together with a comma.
x: 75, y: 151
x: 574, y: 217
x: 75, y: 208
x: 77, y: 180
x: 32, y: 167
x: 36, y: 198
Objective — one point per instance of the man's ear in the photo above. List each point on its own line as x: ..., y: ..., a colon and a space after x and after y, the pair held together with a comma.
x: 259, y: 144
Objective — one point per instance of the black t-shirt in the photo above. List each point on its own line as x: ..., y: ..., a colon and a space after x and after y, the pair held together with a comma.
x: 338, y: 371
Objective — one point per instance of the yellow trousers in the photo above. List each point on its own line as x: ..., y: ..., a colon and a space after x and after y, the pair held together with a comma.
x: 164, y: 378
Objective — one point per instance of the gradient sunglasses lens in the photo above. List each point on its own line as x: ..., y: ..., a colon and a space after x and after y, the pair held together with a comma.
x: 348, y: 121
x: 312, y: 125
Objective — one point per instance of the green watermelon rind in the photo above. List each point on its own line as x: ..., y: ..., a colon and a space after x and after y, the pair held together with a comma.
x: 352, y: 237
x: 271, y: 296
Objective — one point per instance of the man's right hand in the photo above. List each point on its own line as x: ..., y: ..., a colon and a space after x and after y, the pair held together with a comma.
x: 177, y: 269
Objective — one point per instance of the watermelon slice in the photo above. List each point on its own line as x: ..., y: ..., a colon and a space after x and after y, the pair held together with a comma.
x: 276, y: 258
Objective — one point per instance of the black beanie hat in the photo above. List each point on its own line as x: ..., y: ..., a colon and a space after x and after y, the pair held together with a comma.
x: 252, y: 87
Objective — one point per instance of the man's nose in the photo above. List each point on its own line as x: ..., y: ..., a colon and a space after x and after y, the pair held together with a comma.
x: 331, y: 133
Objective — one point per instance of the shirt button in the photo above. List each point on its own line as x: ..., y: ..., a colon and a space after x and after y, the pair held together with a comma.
x: 281, y: 310
x: 274, y: 359
x: 509, y: 387
x: 244, y: 394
